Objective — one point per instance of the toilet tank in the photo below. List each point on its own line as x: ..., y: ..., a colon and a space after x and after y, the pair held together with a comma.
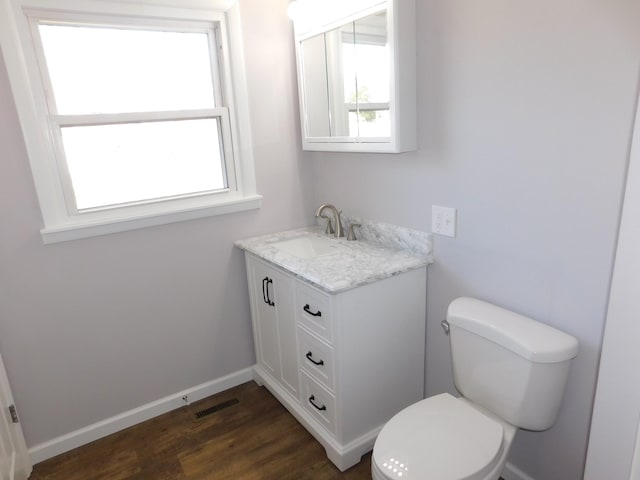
x: 509, y: 364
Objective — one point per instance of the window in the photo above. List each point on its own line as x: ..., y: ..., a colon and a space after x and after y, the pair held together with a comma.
x: 130, y: 119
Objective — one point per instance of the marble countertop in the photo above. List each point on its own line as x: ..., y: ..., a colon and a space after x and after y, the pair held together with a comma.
x: 380, y: 252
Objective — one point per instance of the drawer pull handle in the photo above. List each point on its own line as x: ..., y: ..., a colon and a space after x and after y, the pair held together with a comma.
x: 311, y: 401
x: 309, y: 356
x: 307, y: 309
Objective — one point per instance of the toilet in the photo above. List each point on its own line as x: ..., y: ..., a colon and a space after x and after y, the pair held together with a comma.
x: 511, y: 373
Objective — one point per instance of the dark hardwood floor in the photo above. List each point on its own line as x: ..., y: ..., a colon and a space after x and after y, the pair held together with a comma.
x: 253, y: 439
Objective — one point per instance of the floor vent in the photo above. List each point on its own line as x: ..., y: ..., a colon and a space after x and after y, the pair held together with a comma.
x: 215, y: 408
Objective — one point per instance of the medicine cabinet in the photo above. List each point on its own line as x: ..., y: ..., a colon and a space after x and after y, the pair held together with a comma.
x: 356, y: 64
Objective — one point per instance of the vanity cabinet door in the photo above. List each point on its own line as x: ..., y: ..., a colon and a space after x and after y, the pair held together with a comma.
x: 274, y: 322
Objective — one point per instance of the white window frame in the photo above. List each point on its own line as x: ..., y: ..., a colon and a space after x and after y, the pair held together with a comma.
x: 41, y: 129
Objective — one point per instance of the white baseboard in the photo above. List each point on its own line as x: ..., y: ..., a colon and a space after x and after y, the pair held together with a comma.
x: 514, y: 473
x: 90, y: 433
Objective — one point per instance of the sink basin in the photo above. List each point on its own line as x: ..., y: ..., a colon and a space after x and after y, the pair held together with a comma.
x: 307, y: 246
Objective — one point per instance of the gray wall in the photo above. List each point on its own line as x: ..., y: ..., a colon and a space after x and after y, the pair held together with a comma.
x: 525, y: 117
x: 94, y: 327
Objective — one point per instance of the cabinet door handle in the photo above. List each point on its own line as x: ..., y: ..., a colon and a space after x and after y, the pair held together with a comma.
x: 264, y: 290
x: 309, y: 356
x: 311, y: 401
x: 307, y: 309
x: 269, y: 301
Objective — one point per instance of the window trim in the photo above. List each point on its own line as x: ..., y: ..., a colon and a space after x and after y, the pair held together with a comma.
x: 31, y: 104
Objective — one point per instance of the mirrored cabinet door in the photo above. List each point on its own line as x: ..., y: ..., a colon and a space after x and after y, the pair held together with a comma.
x: 368, y: 99
x: 313, y: 55
x: 356, y: 92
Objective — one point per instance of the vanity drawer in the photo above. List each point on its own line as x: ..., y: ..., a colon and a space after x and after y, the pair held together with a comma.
x: 318, y: 402
x: 314, y: 310
x: 316, y: 358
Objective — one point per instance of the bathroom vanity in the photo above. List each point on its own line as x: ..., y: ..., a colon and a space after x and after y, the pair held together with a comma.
x: 339, y: 329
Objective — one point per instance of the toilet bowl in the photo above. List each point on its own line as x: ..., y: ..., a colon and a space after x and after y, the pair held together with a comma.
x: 460, y: 441
x: 511, y: 372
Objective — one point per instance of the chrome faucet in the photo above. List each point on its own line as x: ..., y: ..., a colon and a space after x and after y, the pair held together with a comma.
x: 338, y: 229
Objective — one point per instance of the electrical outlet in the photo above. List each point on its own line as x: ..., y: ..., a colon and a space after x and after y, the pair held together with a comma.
x: 443, y: 220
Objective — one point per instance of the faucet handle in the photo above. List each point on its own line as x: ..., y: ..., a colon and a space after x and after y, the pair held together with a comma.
x: 339, y: 227
x: 352, y: 232
x: 329, y: 229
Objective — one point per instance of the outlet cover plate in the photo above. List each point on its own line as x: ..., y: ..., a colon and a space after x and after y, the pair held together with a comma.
x: 443, y: 220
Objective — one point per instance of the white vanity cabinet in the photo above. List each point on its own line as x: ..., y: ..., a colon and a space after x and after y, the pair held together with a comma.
x: 344, y: 363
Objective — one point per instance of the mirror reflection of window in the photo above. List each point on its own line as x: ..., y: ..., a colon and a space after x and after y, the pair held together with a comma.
x: 346, y: 80
x: 371, y: 116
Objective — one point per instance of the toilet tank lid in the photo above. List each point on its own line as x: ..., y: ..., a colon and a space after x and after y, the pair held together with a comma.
x: 522, y: 335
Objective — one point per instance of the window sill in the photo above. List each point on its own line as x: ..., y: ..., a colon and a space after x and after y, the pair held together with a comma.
x: 85, y: 227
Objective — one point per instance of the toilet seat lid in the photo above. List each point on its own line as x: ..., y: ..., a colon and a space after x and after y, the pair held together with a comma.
x: 441, y: 438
